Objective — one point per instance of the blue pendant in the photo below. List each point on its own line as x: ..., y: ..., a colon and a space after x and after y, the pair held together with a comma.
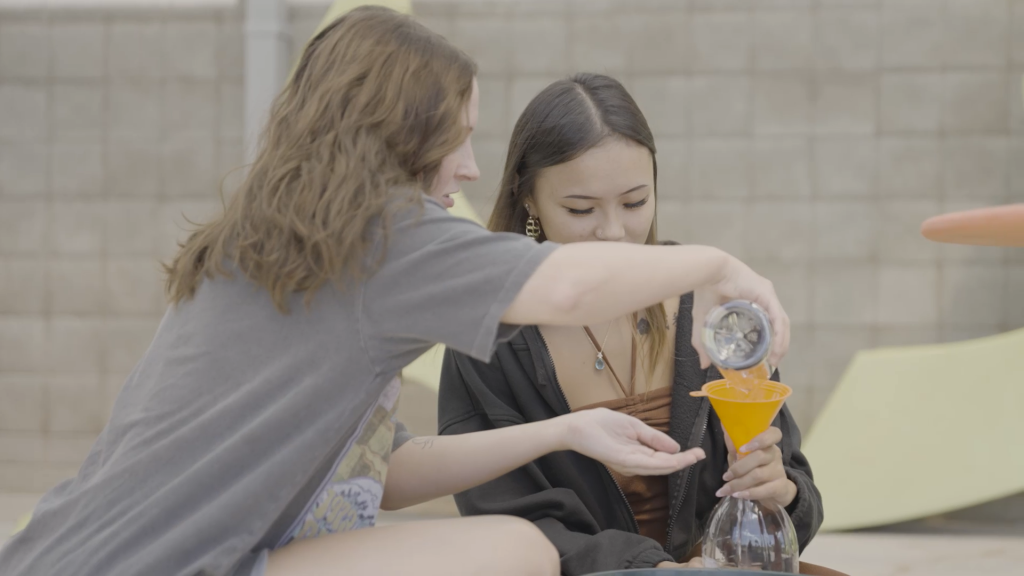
x: 600, y: 363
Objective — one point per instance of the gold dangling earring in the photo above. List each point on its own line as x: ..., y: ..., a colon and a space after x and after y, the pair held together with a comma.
x: 533, y: 227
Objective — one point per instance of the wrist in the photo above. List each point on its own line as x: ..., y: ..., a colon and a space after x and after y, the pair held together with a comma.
x: 557, y: 433
x: 790, y: 496
x: 712, y: 262
x: 720, y: 266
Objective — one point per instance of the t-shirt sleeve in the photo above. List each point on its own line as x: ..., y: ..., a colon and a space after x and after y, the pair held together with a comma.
x: 446, y: 279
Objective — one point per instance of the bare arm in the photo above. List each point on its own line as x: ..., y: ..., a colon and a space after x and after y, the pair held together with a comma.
x: 590, y: 282
x: 432, y: 466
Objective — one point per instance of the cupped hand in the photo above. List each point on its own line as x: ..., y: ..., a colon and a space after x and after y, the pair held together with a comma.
x: 625, y: 444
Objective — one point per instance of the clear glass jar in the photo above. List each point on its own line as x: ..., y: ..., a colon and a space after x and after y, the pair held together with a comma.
x: 737, y: 336
x: 748, y: 535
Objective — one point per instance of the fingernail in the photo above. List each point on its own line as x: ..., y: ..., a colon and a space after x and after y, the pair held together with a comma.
x: 721, y: 492
x: 727, y: 476
x: 742, y: 495
x: 748, y: 448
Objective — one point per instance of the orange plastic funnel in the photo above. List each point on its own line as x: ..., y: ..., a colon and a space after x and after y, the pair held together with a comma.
x: 745, y: 413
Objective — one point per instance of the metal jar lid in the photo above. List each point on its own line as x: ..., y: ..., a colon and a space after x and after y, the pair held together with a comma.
x: 737, y: 335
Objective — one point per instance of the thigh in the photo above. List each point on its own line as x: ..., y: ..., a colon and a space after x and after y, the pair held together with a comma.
x: 484, y: 545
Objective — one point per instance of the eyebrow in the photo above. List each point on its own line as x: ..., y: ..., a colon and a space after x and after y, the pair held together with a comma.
x: 582, y: 197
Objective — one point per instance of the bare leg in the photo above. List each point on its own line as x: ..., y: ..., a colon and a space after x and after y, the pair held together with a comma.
x: 479, y: 545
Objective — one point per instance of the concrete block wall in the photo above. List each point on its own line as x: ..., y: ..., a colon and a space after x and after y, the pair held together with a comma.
x: 809, y: 137
x: 116, y: 127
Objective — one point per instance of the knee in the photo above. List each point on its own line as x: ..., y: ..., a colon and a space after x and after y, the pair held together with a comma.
x: 541, y: 550
x: 529, y: 552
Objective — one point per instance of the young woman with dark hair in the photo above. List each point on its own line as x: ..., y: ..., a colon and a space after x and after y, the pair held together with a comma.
x: 582, y: 168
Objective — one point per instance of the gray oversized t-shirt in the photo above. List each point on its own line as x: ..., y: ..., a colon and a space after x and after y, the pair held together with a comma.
x: 236, y: 414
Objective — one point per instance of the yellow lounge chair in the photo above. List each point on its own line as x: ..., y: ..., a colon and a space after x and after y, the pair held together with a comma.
x: 917, y: 431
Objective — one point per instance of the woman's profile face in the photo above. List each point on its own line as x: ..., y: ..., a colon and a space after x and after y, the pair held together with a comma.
x: 460, y: 165
x: 605, y: 194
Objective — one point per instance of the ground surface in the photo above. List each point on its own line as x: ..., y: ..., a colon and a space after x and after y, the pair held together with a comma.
x: 932, y: 548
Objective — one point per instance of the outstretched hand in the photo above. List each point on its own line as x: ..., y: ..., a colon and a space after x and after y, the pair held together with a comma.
x: 625, y: 444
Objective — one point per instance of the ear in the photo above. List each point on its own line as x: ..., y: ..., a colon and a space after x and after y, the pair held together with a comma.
x: 529, y: 209
x: 515, y: 183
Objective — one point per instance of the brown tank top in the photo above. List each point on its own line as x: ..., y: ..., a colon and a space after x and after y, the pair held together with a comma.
x: 647, y: 495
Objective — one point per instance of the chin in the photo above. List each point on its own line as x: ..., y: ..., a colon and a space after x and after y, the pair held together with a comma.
x: 445, y: 199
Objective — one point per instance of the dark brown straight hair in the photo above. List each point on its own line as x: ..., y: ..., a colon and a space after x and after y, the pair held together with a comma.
x: 565, y: 120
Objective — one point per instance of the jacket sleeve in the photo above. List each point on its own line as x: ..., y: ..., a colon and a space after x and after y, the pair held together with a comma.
x: 475, y: 396
x: 805, y: 510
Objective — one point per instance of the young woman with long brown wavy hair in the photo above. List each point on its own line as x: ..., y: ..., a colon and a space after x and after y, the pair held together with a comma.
x: 257, y: 433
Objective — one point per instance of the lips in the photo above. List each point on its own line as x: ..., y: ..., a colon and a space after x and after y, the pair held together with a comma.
x: 447, y: 200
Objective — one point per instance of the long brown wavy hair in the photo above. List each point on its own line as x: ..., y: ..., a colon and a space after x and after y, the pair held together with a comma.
x: 375, y: 104
x: 565, y: 120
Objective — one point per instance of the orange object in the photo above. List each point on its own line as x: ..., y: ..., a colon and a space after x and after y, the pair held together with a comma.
x: 747, y: 379
x: 994, y: 226
x: 744, y: 412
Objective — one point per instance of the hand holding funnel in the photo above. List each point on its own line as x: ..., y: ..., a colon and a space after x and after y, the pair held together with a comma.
x: 745, y: 534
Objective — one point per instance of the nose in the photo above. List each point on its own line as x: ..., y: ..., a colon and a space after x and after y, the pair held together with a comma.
x: 611, y: 230
x: 467, y: 170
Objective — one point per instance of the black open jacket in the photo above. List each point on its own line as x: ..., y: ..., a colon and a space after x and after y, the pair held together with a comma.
x: 574, y: 499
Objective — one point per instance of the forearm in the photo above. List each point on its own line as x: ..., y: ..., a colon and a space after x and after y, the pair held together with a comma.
x: 590, y: 282
x: 433, y: 466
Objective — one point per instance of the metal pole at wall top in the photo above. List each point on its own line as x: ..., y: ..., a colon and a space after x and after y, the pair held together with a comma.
x: 267, y: 45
